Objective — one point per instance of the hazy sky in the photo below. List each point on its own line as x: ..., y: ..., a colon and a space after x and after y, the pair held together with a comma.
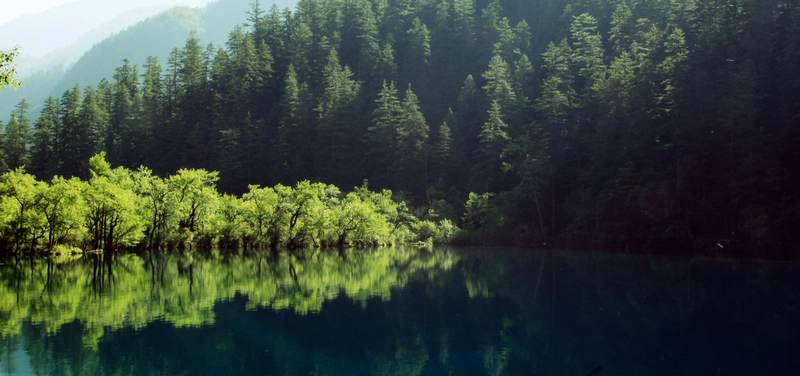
x: 15, y: 8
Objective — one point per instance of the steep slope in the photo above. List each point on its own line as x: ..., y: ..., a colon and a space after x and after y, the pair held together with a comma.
x: 154, y: 36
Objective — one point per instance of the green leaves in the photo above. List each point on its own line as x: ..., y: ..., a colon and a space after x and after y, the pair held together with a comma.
x: 21, y: 223
x: 482, y: 213
x: 119, y: 208
x: 7, y: 69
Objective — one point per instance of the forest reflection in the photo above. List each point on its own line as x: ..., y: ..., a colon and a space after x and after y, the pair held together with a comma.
x: 466, y: 311
x: 130, y: 290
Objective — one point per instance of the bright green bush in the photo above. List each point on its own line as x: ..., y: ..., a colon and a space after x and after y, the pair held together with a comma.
x: 119, y: 208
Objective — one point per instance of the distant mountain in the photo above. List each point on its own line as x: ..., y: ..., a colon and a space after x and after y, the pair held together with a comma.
x: 57, y: 28
x: 65, y: 56
x: 154, y: 36
x: 41, y: 74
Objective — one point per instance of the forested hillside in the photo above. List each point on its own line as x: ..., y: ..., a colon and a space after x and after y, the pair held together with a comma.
x: 613, y: 123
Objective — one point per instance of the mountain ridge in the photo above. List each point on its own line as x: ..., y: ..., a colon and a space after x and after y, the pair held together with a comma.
x: 169, y: 28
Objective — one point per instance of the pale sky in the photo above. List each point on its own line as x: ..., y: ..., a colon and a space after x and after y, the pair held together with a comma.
x: 15, y: 8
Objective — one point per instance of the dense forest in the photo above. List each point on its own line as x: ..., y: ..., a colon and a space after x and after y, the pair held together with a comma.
x: 608, y: 123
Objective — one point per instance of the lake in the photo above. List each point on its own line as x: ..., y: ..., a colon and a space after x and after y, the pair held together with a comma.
x: 447, y: 311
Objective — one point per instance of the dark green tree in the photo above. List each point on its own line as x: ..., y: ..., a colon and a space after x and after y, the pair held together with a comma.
x: 71, y: 136
x: 487, y: 173
x: 382, y: 133
x: 499, y: 85
x: 336, y: 120
x: 410, y: 167
x: 44, y: 158
x: 17, y: 137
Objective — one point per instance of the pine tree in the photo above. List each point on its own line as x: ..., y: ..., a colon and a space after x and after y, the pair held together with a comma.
x: 70, y: 138
x: 464, y: 21
x: 293, y: 127
x: 169, y: 138
x: 411, y: 160
x: 399, y: 16
x: 522, y: 77
x: 442, y: 156
x: 622, y: 27
x: 273, y: 33
x: 416, y: 53
x: 300, y: 46
x: 506, y: 42
x: 487, y: 174
x: 671, y: 70
x: 122, y: 134
x: 359, y: 48
x: 44, y: 160
x: 419, y: 39
x: 499, y: 83
x: 522, y: 38
x: 588, y: 53
x: 383, y: 132
x: 466, y: 125
x: 255, y: 20
x: 17, y: 137
x: 557, y: 98
x: 336, y: 120
x: 338, y: 87
x: 193, y: 133
x: 152, y: 115
x: 617, y: 89
x: 92, y: 122
x: 264, y: 76
x: 386, y: 66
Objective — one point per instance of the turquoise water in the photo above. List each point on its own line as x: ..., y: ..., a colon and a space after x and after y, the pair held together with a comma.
x: 480, y: 311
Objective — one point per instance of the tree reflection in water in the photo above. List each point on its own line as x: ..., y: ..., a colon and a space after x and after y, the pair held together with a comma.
x: 481, y: 311
x: 128, y: 290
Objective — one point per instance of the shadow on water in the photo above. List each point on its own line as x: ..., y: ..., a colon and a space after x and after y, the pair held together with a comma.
x: 479, y: 311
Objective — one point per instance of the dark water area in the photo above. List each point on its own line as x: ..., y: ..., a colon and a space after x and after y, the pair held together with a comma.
x: 447, y: 311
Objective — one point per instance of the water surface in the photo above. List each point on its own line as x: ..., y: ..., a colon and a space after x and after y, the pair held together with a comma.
x: 480, y: 311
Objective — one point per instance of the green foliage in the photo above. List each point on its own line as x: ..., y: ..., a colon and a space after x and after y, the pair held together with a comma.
x: 114, y: 217
x: 21, y: 223
x: 195, y: 195
x: 63, y: 205
x: 481, y: 212
x: 587, y: 49
x: 499, y: 87
x: 117, y: 208
x: 7, y: 69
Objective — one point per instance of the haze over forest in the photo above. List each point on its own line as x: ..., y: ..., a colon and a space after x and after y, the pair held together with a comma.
x: 81, y: 41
